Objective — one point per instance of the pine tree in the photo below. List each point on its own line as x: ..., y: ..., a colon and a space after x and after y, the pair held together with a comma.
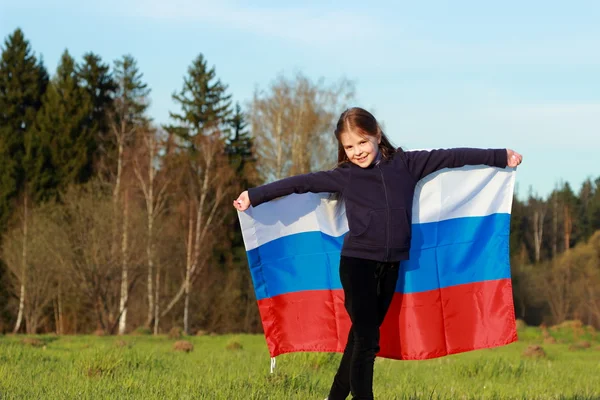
x: 98, y: 81
x: 586, y: 195
x: 205, y: 106
x: 129, y: 112
x: 132, y: 95
x: 239, y: 145
x: 67, y: 142
x: 23, y: 81
x: 594, y: 207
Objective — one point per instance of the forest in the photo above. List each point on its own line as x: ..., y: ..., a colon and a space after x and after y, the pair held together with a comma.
x: 111, y: 223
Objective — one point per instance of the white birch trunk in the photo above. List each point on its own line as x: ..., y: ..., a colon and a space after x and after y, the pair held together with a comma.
x: 150, y: 243
x: 23, y: 270
x: 125, y: 271
x: 157, y: 300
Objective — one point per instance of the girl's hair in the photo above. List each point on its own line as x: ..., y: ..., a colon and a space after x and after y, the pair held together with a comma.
x: 364, y: 123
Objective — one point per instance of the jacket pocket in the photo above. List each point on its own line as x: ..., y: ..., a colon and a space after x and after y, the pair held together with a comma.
x: 373, y: 231
x: 400, y: 229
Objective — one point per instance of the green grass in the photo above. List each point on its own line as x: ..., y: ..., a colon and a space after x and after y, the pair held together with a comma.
x: 237, y: 367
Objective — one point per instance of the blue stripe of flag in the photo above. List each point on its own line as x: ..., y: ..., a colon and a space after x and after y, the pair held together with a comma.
x: 467, y: 250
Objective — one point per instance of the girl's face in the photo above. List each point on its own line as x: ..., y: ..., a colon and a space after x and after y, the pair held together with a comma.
x: 361, y: 150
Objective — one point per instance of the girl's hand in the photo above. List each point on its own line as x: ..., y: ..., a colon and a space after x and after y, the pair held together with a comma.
x: 514, y: 158
x: 242, y: 202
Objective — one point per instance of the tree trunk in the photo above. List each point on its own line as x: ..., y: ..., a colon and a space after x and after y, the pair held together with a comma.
x: 538, y: 232
x: 155, y: 205
x: 188, y: 267
x: 21, y: 308
x: 279, y: 166
x: 59, y: 304
x: 554, y: 226
x: 150, y: 243
x: 117, y: 188
x: 568, y: 228
x: 186, y: 308
x: 157, y: 300
x: 23, y: 269
x: 150, y: 255
x: 125, y: 270
x: 197, y: 240
x: 55, y: 309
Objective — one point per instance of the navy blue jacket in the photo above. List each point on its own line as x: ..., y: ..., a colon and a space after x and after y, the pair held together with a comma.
x: 379, y: 198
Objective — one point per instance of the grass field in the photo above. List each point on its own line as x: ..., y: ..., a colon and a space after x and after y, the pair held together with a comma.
x: 237, y: 367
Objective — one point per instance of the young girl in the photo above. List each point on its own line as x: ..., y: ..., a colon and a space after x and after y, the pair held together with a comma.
x: 377, y: 183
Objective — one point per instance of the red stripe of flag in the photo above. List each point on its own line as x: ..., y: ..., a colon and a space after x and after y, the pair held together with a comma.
x: 418, y: 325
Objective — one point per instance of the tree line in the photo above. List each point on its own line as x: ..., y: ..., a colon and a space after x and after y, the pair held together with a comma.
x: 112, y: 223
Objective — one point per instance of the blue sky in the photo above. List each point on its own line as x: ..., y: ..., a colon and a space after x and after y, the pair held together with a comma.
x: 523, y: 75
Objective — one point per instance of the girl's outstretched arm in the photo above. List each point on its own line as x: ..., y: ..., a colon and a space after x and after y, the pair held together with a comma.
x: 422, y: 163
x: 333, y: 181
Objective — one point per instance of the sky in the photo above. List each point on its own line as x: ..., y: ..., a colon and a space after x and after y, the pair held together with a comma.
x: 436, y: 74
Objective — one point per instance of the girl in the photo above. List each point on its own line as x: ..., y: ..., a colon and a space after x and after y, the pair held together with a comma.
x: 377, y: 183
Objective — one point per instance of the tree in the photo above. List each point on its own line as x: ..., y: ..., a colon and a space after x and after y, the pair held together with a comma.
x: 33, y: 277
x: 151, y: 172
x: 293, y: 123
x: 518, y: 227
x: 569, y: 207
x: 97, y: 80
x: 586, y: 198
x: 205, y: 106
x: 240, y: 151
x: 62, y: 125
x: 23, y: 81
x: 537, y: 208
x: 128, y: 115
x: 572, y: 281
x: 130, y: 105
x: 202, y: 126
x: 239, y: 147
x: 591, y: 283
x: 82, y: 250
x: 594, y: 207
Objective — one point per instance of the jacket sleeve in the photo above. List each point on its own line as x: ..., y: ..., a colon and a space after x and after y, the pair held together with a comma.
x: 333, y: 181
x: 422, y: 163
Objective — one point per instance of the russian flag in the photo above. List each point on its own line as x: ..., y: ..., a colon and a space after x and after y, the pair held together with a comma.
x: 453, y: 295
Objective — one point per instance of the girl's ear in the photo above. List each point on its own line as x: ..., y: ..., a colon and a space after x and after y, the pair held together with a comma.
x: 379, y: 138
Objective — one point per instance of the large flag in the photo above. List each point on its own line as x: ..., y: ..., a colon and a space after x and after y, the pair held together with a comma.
x: 453, y: 295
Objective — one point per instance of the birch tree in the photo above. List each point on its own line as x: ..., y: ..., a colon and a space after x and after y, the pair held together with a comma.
x: 201, y: 126
x: 130, y: 105
x: 32, y: 274
x: 537, y: 209
x: 151, y: 173
x: 293, y: 123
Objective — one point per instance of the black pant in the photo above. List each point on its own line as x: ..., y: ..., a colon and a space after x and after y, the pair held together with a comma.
x: 368, y: 289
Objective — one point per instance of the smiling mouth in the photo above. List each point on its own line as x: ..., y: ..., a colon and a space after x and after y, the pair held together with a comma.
x: 361, y: 159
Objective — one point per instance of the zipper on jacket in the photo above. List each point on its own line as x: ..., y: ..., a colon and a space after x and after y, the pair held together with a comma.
x: 387, y: 220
